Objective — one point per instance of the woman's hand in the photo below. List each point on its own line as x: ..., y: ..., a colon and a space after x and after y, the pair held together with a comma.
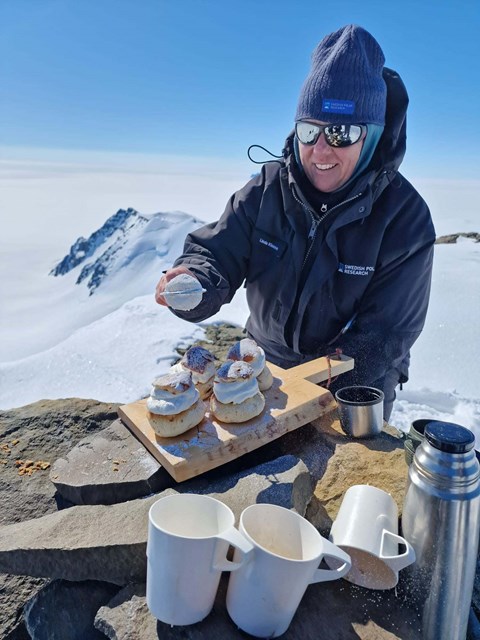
x: 167, y: 276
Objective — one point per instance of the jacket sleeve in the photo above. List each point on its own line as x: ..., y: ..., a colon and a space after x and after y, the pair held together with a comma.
x: 392, y: 313
x: 218, y: 253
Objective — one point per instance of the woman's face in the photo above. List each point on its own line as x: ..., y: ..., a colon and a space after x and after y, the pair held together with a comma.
x: 328, y: 168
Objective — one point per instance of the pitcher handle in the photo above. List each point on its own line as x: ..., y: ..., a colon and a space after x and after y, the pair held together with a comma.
x: 332, y: 551
x: 235, y: 538
x: 401, y: 561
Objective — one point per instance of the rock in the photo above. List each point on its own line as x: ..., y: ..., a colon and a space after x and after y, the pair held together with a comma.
x: 108, y: 467
x: 453, y: 237
x: 67, y: 610
x: 109, y: 542
x: 284, y: 481
x: 378, y: 461
x: 330, y: 611
x: 476, y: 589
x: 80, y: 543
x: 127, y: 615
x: 42, y: 431
x: 218, y: 339
x: 15, y: 591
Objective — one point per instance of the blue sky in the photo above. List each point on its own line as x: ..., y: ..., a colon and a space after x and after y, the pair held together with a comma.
x: 211, y: 77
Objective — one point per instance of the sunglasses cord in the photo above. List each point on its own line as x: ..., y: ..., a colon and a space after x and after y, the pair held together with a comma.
x: 258, y: 146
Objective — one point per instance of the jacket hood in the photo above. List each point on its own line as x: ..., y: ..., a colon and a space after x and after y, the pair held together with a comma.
x: 391, y: 149
x: 392, y: 145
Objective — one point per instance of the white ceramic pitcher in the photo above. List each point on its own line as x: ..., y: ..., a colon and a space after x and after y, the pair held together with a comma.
x: 264, y: 594
x: 188, y: 540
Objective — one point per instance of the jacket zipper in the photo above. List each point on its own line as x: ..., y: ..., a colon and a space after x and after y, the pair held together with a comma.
x: 316, y: 221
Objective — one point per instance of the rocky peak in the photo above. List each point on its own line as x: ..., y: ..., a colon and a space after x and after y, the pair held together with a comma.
x: 83, y: 248
x: 127, y: 252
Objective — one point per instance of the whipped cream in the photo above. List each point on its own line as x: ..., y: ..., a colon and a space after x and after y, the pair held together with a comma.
x: 235, y: 392
x: 165, y: 403
x: 196, y: 377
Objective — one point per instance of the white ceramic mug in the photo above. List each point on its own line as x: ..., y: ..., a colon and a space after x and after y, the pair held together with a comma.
x: 264, y: 594
x: 188, y: 540
x: 366, y: 527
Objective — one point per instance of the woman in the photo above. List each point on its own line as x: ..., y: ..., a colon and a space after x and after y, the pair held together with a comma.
x: 334, y: 245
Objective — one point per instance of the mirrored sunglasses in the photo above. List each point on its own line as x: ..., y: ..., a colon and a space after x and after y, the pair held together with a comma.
x: 336, y: 135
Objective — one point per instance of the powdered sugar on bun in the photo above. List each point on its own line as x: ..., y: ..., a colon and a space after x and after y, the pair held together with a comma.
x: 200, y: 362
x: 231, y: 371
x: 174, y: 382
x: 247, y: 350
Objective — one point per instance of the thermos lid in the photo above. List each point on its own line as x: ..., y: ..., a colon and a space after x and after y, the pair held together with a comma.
x: 449, y: 437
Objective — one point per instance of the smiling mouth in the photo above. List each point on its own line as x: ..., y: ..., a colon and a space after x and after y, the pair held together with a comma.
x: 324, y: 167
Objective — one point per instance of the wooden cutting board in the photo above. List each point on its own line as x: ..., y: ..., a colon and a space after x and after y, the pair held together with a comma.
x: 293, y: 400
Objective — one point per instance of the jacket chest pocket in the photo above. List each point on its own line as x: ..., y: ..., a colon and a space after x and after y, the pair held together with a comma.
x: 266, y: 254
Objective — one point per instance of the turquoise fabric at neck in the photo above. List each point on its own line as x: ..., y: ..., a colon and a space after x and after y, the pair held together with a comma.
x: 374, y: 133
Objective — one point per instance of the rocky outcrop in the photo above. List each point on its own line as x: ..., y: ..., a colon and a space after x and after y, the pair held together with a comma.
x: 108, y: 467
x: 379, y: 462
x: 91, y: 550
x: 453, y: 237
x: 218, y: 339
x: 42, y: 431
x: 149, y: 243
x: 83, y: 248
x: 330, y: 611
x: 109, y: 542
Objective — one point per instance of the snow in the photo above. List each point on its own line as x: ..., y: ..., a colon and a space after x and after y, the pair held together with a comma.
x: 59, y: 341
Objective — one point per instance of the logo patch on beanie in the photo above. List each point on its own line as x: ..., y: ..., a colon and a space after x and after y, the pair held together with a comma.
x: 338, y: 106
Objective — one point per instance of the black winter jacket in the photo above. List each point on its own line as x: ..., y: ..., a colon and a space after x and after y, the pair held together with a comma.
x: 365, y: 264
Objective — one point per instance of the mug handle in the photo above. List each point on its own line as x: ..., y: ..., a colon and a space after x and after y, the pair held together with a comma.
x: 401, y: 561
x: 332, y: 551
x: 235, y: 538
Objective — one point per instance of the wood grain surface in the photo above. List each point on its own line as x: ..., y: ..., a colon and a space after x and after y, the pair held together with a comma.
x: 292, y: 401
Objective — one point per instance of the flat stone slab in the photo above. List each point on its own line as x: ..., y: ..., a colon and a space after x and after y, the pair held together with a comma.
x: 330, y: 611
x: 108, y: 542
x: 108, y: 467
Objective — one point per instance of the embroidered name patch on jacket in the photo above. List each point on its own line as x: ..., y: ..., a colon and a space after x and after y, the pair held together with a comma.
x: 355, y: 269
x: 268, y: 243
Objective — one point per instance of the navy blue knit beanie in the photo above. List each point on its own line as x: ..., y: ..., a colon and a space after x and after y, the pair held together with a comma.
x: 345, y: 83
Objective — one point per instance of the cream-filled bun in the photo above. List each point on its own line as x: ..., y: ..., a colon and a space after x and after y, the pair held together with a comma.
x: 247, y: 350
x: 236, y: 396
x: 201, y: 364
x: 174, y: 404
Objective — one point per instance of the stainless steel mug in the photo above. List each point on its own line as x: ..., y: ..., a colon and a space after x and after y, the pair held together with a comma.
x: 441, y: 520
x: 360, y: 410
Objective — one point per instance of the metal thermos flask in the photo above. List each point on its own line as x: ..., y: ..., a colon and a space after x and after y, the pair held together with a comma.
x: 441, y: 520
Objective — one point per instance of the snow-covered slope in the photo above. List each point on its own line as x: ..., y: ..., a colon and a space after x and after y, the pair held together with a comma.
x: 118, y: 262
